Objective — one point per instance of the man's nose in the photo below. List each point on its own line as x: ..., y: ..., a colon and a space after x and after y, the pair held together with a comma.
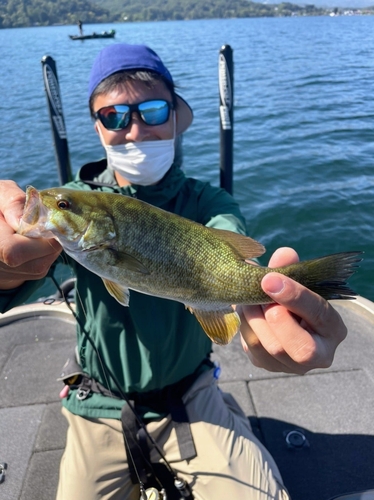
x: 137, y: 130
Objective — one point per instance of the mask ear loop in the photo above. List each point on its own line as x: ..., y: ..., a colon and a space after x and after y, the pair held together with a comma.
x: 97, y: 127
x: 174, y: 124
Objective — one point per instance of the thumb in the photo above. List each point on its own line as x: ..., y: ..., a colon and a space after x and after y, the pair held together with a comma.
x: 12, y: 201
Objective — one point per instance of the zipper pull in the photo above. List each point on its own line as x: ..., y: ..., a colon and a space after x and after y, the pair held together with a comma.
x: 83, y: 394
x: 3, y: 467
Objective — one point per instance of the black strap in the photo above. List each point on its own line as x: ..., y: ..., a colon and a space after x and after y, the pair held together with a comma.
x: 137, y: 450
x: 86, y: 384
x: 137, y: 455
x: 182, y: 428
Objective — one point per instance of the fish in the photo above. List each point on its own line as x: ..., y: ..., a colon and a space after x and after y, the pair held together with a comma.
x: 133, y: 245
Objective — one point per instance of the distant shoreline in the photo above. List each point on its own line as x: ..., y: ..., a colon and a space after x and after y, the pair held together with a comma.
x: 346, y: 12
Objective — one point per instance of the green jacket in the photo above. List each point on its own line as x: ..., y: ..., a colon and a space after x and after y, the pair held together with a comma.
x: 154, y: 342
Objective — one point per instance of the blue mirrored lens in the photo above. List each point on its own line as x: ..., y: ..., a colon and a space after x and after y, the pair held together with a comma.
x: 154, y: 112
x: 115, y: 117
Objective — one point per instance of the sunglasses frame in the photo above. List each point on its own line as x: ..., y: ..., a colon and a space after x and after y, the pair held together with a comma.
x: 134, y: 108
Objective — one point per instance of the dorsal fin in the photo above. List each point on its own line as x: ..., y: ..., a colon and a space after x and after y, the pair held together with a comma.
x: 245, y: 247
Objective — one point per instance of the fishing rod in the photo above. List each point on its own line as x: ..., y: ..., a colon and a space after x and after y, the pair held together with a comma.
x: 226, y: 93
x: 56, y: 117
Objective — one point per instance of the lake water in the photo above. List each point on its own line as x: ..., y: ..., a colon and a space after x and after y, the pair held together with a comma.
x: 304, y: 111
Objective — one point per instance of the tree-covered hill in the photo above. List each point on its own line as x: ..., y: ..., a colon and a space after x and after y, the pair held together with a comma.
x: 163, y: 10
x: 18, y: 13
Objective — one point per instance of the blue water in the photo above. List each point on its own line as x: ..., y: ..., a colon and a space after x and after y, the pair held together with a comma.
x: 304, y: 111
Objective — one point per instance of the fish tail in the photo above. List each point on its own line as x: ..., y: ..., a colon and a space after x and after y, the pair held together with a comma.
x: 327, y: 275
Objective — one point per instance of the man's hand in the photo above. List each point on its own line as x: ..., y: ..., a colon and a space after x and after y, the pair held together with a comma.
x: 21, y: 258
x: 298, y: 333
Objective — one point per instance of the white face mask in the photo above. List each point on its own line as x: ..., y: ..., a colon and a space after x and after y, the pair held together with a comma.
x: 142, y: 163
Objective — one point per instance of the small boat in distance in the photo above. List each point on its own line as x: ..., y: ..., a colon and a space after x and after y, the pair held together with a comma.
x: 103, y: 34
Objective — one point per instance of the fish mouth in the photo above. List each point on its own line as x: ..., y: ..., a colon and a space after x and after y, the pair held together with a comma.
x: 34, y: 217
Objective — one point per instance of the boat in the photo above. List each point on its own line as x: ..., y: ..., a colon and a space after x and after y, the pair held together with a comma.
x: 103, y: 34
x: 318, y: 427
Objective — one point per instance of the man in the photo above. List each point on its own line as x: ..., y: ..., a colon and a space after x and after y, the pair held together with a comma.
x: 154, y: 352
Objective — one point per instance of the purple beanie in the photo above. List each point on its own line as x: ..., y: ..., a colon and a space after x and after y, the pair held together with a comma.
x: 121, y: 57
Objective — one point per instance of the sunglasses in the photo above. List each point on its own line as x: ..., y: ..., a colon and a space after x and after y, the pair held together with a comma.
x: 118, y: 116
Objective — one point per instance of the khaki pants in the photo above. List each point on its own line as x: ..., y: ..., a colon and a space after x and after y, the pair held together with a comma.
x: 231, y: 464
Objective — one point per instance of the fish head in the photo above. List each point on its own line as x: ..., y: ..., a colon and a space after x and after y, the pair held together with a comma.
x: 58, y: 213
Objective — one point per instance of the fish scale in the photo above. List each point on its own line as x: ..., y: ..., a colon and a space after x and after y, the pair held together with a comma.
x: 133, y: 245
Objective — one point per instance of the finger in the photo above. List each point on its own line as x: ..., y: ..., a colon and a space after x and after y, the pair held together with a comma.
x: 253, y: 328
x: 34, y: 269
x: 283, y: 257
x: 312, y: 308
x: 318, y: 328
x: 309, y: 327
x: 23, y: 259
x: 37, y: 269
x: 64, y: 392
x: 12, y: 200
x: 16, y: 250
x: 316, y: 312
x: 249, y: 315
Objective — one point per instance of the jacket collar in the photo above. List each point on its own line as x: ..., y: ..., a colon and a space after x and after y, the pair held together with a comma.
x: 98, y: 175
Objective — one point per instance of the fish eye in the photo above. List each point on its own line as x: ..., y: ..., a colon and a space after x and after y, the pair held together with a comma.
x: 63, y: 204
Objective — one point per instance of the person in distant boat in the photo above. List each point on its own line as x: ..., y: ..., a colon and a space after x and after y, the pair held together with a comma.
x: 154, y: 354
x: 80, y: 26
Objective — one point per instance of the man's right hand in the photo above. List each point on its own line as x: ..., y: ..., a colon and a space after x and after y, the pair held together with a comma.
x: 21, y: 258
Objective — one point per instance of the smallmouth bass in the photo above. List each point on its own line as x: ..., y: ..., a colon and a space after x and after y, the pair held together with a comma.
x: 133, y: 245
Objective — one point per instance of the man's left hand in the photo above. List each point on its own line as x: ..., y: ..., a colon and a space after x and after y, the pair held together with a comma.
x: 298, y: 333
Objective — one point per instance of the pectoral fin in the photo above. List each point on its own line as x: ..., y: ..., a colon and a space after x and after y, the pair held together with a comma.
x: 126, y: 261
x: 119, y: 292
x: 98, y: 235
x: 221, y: 326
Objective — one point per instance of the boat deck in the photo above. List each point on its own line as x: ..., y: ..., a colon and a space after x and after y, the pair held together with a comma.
x: 319, y: 427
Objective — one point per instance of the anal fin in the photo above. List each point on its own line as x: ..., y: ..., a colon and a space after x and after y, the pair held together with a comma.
x: 119, y: 292
x: 220, y: 325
